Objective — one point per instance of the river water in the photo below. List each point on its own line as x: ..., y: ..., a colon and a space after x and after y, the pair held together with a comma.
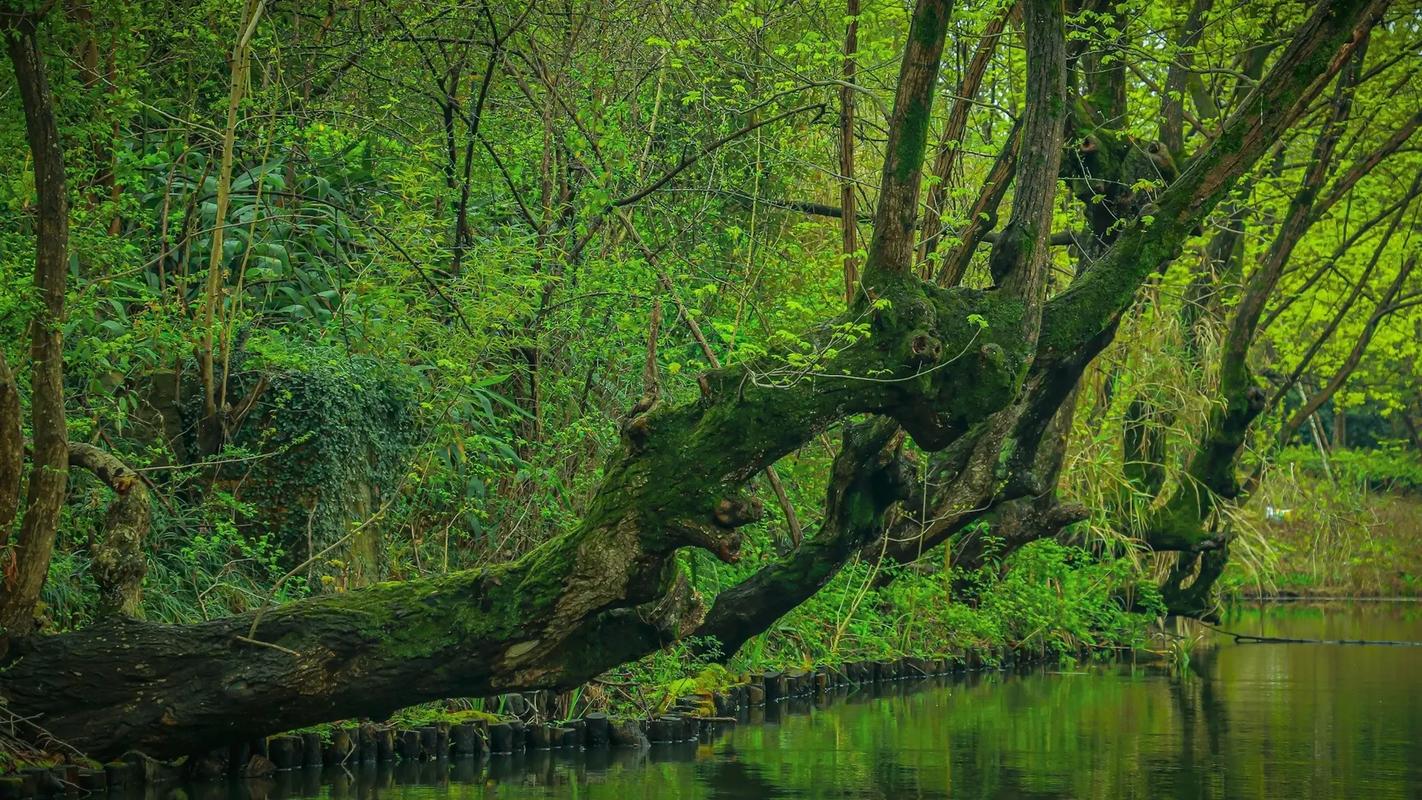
x: 1245, y: 721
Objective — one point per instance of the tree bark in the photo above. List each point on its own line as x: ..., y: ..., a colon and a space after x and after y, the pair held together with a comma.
x: 868, y: 476
x: 12, y: 451
x: 49, y: 470
x: 896, y: 216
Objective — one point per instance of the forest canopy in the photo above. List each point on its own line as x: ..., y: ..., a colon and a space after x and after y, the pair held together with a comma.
x: 360, y: 354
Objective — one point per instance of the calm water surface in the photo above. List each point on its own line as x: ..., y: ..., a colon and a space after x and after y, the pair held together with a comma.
x: 1249, y: 721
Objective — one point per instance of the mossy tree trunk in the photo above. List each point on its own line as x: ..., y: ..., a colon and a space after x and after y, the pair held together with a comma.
x: 607, y: 590
x: 12, y: 450
x: 118, y: 560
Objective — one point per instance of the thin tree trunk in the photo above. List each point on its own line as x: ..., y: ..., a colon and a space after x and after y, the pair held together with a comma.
x: 50, y: 465
x: 848, y: 219
x: 950, y: 141
x: 1172, y: 100
x: 896, y: 216
x: 1339, y: 316
x: 212, y: 425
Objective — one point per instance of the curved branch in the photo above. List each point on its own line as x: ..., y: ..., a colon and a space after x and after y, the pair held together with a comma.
x: 119, y: 563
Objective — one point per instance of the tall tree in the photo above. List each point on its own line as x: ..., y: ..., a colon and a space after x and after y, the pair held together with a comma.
x: 49, y: 467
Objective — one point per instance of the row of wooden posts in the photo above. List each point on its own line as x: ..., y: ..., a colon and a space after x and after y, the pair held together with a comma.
x: 689, y: 718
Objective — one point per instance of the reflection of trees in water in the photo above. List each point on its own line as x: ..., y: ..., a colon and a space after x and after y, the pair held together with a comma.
x: 728, y: 777
x: 1200, y: 710
x: 1243, y: 720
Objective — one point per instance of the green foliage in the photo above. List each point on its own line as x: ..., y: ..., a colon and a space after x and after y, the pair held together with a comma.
x: 1381, y: 469
x: 1046, y: 598
x: 650, y: 686
x: 1335, y: 538
x: 331, y: 439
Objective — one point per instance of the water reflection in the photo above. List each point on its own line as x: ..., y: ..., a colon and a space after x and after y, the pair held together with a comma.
x: 1247, y: 721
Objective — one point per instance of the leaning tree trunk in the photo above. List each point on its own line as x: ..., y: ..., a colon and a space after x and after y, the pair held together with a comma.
x: 606, y: 591
x: 1188, y: 520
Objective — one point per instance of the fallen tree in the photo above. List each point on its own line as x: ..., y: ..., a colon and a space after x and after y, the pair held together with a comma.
x: 955, y: 369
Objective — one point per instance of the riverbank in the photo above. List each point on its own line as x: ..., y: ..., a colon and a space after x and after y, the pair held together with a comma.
x: 1045, y: 603
x: 1105, y: 729
x: 1332, y: 540
x: 450, y: 739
